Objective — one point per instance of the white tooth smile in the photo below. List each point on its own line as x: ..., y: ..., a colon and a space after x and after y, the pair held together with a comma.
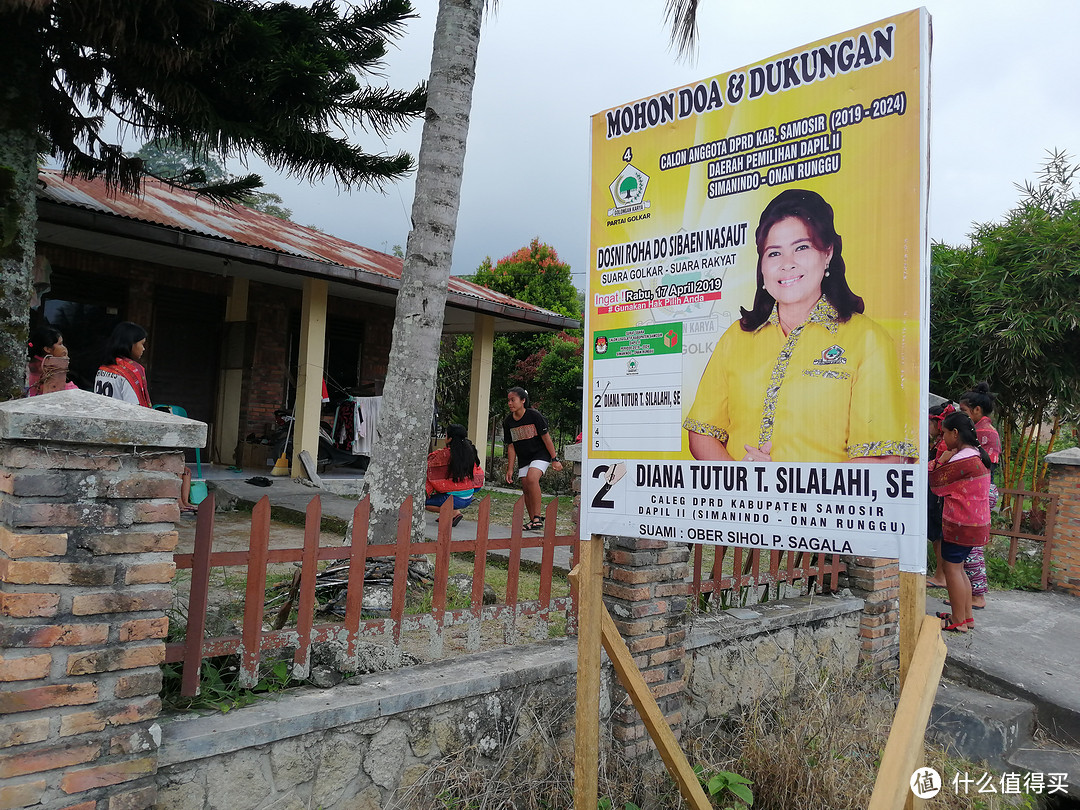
x: 788, y: 281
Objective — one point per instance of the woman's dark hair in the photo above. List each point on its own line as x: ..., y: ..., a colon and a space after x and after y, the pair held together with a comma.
x: 42, y: 338
x: 463, y: 455
x: 980, y: 397
x: 962, y: 423
x: 812, y: 210
x: 522, y: 394
x: 124, y: 335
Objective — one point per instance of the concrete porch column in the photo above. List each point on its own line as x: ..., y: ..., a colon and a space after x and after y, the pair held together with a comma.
x: 309, y: 372
x: 480, y: 383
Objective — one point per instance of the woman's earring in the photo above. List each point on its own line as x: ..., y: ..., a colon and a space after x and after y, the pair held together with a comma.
x: 826, y: 274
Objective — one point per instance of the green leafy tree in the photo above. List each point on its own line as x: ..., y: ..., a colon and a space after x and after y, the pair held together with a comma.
x: 534, y: 274
x: 232, y: 76
x: 558, y: 384
x: 171, y: 162
x: 268, y: 203
x: 1006, y: 308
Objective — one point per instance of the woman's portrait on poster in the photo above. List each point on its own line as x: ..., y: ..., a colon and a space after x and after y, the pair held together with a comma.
x: 804, y: 375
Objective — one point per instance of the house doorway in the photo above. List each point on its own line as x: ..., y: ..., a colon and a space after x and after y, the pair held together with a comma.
x: 184, y: 349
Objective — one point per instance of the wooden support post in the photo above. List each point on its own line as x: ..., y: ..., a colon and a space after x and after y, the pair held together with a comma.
x: 642, y: 698
x: 905, y: 745
x: 912, y: 611
x: 588, y: 575
x: 655, y: 722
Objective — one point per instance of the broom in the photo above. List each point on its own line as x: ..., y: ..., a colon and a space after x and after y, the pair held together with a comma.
x: 281, y: 466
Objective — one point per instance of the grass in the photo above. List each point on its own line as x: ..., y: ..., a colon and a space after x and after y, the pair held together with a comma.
x: 1026, y: 575
x: 817, y: 747
x: 497, y: 572
x: 502, y: 509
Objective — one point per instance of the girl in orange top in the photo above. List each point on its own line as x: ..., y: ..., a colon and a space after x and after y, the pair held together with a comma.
x: 455, y: 472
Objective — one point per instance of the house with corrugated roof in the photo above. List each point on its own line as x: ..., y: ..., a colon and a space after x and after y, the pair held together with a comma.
x: 246, y: 314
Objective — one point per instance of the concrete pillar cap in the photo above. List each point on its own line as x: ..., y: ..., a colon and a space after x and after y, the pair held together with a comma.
x: 79, y: 417
x: 1071, y: 456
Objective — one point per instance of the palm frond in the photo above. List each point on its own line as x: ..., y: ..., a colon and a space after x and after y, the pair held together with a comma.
x: 681, y: 17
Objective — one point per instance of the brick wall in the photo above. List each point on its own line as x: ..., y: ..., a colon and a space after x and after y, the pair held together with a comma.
x: 378, y: 331
x: 141, y: 277
x: 86, y: 540
x: 645, y: 591
x: 1064, y: 474
x: 264, y: 382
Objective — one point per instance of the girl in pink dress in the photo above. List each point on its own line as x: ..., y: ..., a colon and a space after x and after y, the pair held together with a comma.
x: 978, y: 403
x: 961, y: 475
x: 44, y: 342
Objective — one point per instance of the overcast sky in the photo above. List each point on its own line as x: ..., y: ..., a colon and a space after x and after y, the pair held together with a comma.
x: 1002, y: 94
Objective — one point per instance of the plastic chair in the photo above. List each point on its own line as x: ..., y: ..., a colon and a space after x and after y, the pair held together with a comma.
x: 198, y: 485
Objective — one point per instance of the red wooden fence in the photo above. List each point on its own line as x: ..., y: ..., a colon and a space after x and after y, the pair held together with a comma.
x: 1015, y: 499
x: 346, y: 634
x: 734, y: 568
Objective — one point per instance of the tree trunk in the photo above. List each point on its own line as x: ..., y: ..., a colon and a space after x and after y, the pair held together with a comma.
x: 399, y: 457
x: 18, y: 207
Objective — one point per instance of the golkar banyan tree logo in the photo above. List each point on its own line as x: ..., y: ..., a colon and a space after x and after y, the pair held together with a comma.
x: 628, y: 191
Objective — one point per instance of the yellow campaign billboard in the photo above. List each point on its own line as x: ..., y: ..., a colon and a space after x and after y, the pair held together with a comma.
x: 757, y: 303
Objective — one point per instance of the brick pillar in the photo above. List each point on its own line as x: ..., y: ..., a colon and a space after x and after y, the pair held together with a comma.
x: 877, y: 582
x: 88, y: 489
x: 645, y: 591
x: 1064, y: 473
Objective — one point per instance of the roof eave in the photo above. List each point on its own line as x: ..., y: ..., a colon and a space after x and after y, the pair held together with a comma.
x: 110, y: 224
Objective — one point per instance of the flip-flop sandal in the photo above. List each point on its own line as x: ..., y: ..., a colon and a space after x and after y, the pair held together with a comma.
x: 955, y: 627
x: 456, y: 520
x: 535, y: 524
x: 948, y: 617
x: 973, y: 607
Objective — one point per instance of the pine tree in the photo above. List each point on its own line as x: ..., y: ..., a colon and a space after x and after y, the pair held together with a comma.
x: 230, y: 77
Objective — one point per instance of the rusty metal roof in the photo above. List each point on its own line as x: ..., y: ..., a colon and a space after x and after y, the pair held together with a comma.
x: 163, y: 205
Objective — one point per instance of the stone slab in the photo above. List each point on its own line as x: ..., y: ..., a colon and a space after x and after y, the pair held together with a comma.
x: 727, y: 625
x: 1025, y: 645
x: 79, y: 417
x: 979, y: 726
x: 367, y: 697
x: 1050, y: 761
x: 379, y: 695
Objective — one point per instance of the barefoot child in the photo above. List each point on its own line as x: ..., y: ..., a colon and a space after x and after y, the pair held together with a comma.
x: 961, y: 475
